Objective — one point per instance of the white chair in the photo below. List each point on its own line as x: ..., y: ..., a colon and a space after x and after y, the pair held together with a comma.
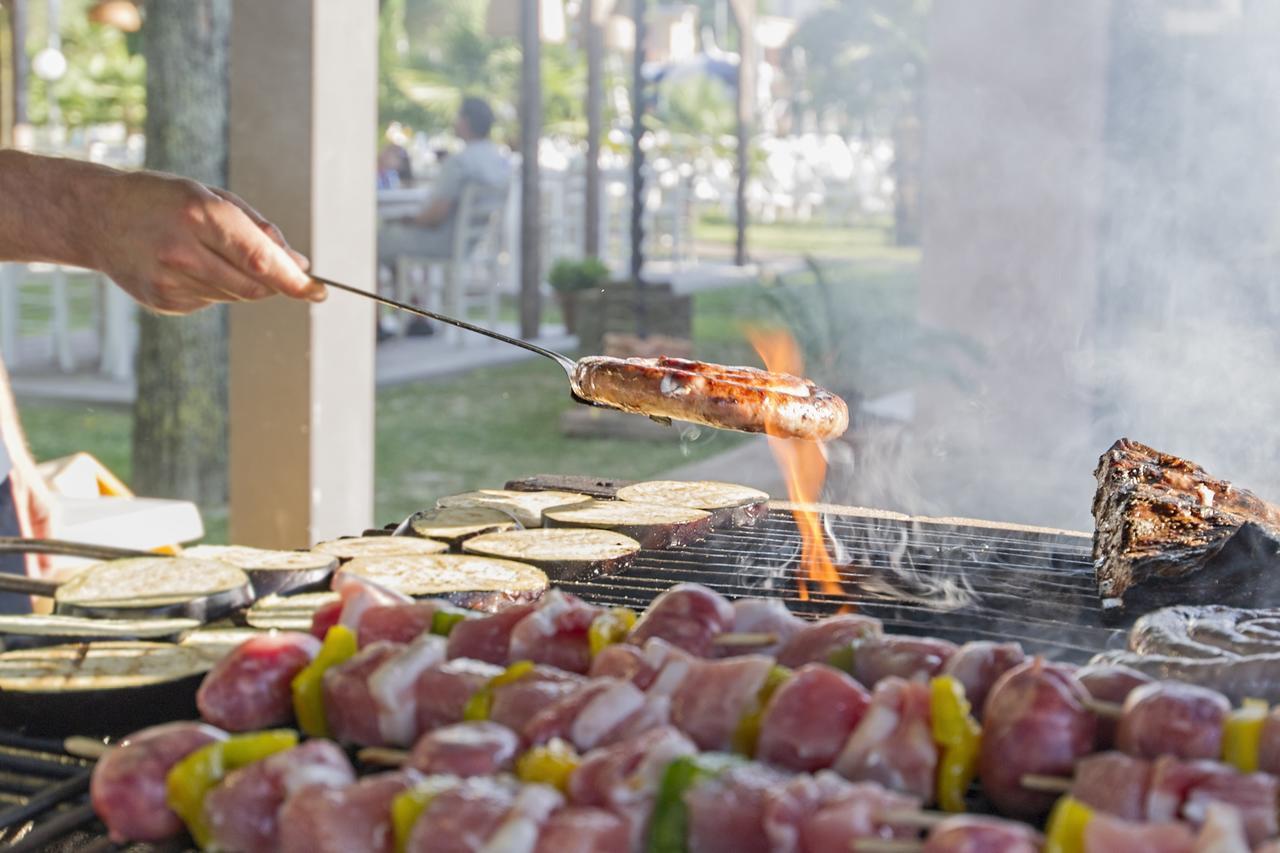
x: 472, y: 272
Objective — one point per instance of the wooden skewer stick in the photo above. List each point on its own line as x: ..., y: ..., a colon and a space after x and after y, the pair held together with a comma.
x: 886, y: 845
x: 383, y: 756
x: 1109, y: 710
x: 918, y: 818
x: 85, y: 747
x: 744, y: 640
x: 1048, y: 784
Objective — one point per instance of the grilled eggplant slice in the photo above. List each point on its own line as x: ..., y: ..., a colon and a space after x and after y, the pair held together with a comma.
x: 730, y: 505
x: 458, y: 523
x: 30, y: 630
x: 216, y: 642
x: 478, y: 583
x: 144, y: 587
x: 563, y: 553
x: 652, y: 525
x: 525, y: 507
x: 379, y: 546
x: 101, y: 688
x: 288, y: 613
x: 1166, y: 532
x: 272, y: 572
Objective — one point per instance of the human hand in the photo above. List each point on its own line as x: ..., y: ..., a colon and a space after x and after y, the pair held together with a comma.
x: 178, y: 246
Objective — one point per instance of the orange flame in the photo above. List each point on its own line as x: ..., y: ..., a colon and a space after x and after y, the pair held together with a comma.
x: 803, y: 466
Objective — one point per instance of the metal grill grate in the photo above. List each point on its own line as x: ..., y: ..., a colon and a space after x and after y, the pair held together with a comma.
x: 951, y: 580
x: 44, y: 798
x: 960, y: 581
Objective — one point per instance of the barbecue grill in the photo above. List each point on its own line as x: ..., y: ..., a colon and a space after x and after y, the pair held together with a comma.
x: 951, y: 578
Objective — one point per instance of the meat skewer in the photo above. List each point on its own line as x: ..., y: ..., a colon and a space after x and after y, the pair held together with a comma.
x: 1168, y: 789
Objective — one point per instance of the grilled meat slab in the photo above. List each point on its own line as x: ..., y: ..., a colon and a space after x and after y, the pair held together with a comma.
x: 1163, y: 528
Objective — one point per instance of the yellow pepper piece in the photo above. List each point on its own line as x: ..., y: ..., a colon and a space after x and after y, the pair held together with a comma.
x: 479, y: 705
x: 192, y: 777
x: 408, y: 806
x: 747, y: 732
x: 960, y: 737
x: 551, y: 764
x: 610, y: 628
x: 1242, y: 735
x: 308, y: 685
x: 1065, y: 831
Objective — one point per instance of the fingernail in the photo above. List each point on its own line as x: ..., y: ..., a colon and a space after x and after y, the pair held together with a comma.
x: 317, y: 293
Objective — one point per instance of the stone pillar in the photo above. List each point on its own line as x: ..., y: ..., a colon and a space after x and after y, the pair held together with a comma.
x: 302, y: 150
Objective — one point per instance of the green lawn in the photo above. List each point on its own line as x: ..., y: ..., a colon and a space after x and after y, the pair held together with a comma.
x: 441, y: 436
x: 867, y: 242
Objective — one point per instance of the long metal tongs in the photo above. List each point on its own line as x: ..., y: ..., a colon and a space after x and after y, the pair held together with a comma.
x: 568, y: 364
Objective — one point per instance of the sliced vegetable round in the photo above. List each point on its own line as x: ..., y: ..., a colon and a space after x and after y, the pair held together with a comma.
x: 379, y: 546
x: 33, y: 629
x: 525, y: 507
x: 562, y: 552
x: 288, y: 612
x: 271, y: 571
x: 101, y: 688
x: 217, y: 643
x: 159, y: 586
x: 728, y: 503
x: 652, y: 525
x: 456, y: 523
x: 480, y: 583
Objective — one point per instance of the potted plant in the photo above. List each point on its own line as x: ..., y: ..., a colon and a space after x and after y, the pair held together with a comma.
x: 570, y: 277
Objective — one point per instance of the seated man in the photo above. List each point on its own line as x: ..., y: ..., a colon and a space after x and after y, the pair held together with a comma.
x: 430, y: 232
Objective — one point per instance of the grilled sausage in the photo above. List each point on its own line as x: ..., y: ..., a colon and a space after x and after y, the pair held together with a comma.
x: 1035, y: 722
x: 740, y: 398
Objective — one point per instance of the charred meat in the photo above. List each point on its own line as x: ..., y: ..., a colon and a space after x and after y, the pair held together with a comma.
x: 1165, y: 530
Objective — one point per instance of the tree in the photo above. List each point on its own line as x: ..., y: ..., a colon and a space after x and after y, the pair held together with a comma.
x: 180, y: 415
x: 866, y: 68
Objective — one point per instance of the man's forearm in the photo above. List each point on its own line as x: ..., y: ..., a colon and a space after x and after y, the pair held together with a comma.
x: 50, y: 208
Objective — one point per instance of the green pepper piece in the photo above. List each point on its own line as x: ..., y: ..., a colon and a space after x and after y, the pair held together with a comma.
x: 308, y: 685
x: 669, y: 826
x: 194, y: 776
x: 842, y: 658
x: 747, y: 733
x: 442, y: 621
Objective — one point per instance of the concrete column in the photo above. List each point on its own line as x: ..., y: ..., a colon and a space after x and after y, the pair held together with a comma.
x: 1012, y: 197
x: 303, y: 132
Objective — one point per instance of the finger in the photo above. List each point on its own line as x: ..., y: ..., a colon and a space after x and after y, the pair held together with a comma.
x: 180, y: 293
x: 267, y: 226
x: 238, y: 239
x: 216, y: 272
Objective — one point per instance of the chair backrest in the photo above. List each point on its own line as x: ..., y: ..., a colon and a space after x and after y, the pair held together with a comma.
x: 478, y: 222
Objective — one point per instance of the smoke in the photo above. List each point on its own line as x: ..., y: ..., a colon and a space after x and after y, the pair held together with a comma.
x: 1100, y: 195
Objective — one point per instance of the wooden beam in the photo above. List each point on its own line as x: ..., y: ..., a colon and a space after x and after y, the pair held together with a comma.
x: 744, y: 13
x: 303, y: 104
x: 593, y: 36
x: 530, y: 173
